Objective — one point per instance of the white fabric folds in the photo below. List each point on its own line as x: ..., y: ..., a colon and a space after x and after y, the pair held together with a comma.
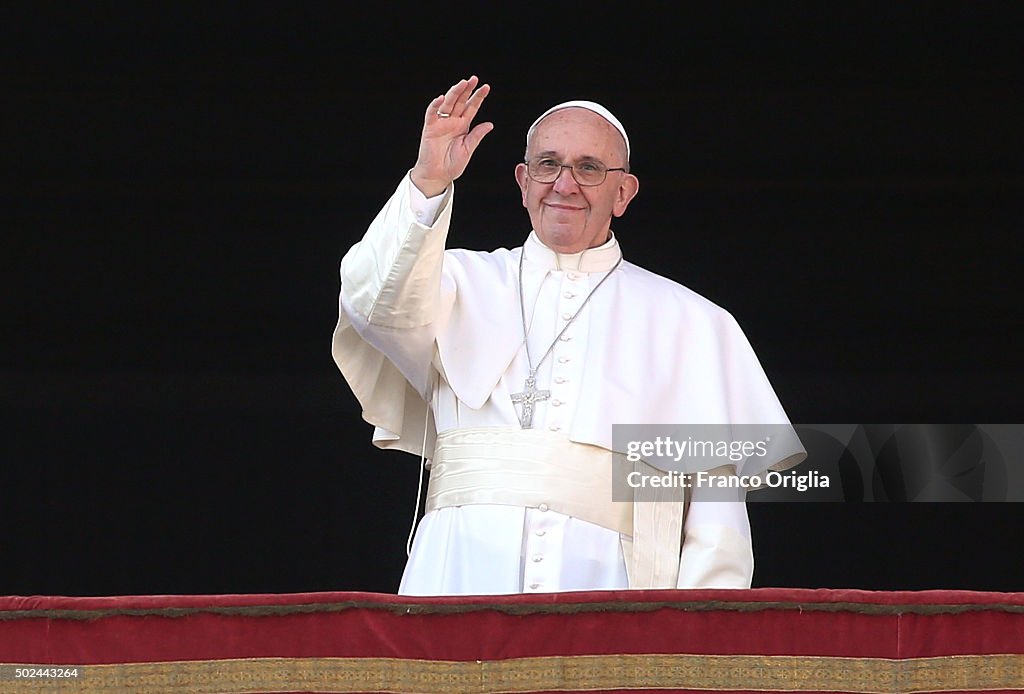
x: 432, y: 335
x: 543, y: 469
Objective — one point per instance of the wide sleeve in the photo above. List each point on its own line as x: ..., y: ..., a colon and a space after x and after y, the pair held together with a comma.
x: 717, y: 551
x: 390, y: 308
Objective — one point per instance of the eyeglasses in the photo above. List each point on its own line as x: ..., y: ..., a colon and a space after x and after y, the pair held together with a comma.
x: 587, y: 173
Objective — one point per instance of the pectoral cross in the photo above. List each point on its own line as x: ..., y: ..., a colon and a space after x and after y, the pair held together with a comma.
x: 528, y: 397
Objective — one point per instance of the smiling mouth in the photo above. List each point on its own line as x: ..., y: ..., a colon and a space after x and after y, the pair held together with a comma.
x: 569, y: 208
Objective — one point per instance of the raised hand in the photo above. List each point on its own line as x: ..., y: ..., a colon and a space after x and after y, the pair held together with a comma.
x: 447, y: 143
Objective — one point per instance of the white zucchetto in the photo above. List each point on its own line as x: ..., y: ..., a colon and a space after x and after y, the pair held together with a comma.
x: 590, y: 106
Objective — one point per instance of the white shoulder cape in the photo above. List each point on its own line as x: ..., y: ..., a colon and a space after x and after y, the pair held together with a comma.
x: 657, y: 352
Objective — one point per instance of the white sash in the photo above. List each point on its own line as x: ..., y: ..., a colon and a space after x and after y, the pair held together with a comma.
x: 534, y: 468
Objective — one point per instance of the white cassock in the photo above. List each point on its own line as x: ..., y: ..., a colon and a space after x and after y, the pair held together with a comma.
x: 418, y: 323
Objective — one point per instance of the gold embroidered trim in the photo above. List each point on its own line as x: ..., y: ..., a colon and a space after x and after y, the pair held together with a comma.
x: 552, y: 674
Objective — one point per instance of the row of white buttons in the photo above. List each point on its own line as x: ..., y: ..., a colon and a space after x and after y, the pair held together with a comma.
x: 535, y: 576
x: 567, y: 314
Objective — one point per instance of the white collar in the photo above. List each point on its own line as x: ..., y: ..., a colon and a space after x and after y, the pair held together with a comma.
x: 598, y: 259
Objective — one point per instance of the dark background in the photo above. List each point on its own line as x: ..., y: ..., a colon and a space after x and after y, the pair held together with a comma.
x: 180, y: 182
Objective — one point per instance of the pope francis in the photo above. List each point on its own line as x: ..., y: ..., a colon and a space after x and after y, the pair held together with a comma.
x: 506, y: 371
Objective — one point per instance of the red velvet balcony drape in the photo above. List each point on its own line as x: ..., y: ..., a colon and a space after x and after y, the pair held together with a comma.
x: 774, y: 640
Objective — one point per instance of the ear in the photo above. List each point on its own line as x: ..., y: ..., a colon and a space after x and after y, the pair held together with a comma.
x: 522, y: 179
x: 628, y: 189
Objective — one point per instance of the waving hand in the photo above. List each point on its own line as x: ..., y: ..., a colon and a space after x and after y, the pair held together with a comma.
x: 447, y: 142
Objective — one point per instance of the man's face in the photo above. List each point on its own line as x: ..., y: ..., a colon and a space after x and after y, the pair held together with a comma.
x: 568, y: 217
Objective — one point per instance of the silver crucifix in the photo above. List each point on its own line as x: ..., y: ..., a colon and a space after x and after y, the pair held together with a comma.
x: 528, y: 397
